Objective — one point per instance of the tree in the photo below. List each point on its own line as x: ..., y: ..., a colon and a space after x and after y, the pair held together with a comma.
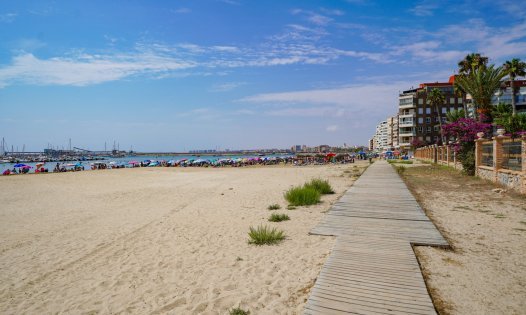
x: 466, y: 66
x: 454, y: 115
x: 471, y: 62
x: 481, y: 83
x: 501, y: 110
x: 436, y: 98
x: 514, y: 68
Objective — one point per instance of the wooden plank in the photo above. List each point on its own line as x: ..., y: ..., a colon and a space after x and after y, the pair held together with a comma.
x: 372, y: 268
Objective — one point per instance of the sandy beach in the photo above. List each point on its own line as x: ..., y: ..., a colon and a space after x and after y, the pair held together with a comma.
x: 158, y: 241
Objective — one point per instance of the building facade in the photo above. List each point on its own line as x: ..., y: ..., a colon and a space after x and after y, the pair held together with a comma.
x: 418, y: 119
x: 504, y: 95
x: 392, y: 132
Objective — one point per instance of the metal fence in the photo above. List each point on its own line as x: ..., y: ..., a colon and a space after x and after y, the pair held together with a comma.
x: 512, y: 155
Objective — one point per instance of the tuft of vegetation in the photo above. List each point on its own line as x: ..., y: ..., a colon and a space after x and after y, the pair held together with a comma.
x: 322, y: 186
x: 239, y: 311
x: 274, y: 207
x: 275, y: 217
x: 401, y: 169
x: 290, y: 207
x: 399, y: 161
x: 302, y: 196
x: 264, y: 235
x: 239, y: 258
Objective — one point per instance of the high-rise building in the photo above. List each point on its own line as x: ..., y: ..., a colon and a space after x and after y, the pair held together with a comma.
x: 418, y: 119
x: 380, y: 139
x: 392, y: 132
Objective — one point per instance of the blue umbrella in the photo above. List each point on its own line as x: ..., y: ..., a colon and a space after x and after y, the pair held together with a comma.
x: 19, y: 165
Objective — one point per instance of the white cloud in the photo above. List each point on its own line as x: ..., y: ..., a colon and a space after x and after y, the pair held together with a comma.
x: 319, y: 19
x: 85, y: 69
x: 8, y: 17
x: 425, y: 8
x: 332, y: 128
x: 228, y: 86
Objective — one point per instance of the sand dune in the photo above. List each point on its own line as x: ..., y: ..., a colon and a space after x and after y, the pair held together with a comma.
x: 157, y: 241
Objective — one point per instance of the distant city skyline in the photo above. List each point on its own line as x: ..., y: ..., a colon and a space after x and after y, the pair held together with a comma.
x: 239, y: 74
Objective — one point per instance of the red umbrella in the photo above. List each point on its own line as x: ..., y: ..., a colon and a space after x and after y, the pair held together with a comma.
x: 330, y: 154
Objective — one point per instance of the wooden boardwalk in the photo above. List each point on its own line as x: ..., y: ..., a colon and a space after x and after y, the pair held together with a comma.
x: 372, y: 268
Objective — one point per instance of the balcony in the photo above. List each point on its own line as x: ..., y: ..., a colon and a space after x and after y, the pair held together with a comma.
x: 407, y: 134
x: 403, y: 124
x: 404, y: 144
x: 407, y: 106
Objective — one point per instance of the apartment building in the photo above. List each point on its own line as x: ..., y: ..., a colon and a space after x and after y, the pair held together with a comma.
x: 392, y: 132
x: 418, y: 119
x: 504, y: 95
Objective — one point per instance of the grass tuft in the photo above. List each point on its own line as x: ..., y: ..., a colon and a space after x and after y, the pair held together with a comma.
x: 399, y: 161
x: 322, y: 186
x: 302, y: 196
x: 274, y: 207
x: 400, y: 169
x: 291, y: 207
x: 275, y: 217
x: 239, y: 311
x: 264, y: 235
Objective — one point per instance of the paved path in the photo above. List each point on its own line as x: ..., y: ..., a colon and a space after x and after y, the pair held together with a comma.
x: 372, y: 268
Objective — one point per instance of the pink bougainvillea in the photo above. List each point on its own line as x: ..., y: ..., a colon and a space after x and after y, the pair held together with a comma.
x: 466, y: 129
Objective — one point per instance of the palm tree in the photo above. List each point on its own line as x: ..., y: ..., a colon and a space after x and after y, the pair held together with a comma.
x: 436, y: 98
x: 471, y: 62
x: 466, y: 66
x: 481, y: 83
x: 454, y: 115
x: 514, y: 68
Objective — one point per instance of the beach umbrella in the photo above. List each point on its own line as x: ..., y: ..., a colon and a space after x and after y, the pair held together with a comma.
x: 40, y: 164
x: 330, y: 154
x: 19, y: 165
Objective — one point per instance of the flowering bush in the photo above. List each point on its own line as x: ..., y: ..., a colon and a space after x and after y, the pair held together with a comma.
x: 465, y: 132
x: 417, y: 143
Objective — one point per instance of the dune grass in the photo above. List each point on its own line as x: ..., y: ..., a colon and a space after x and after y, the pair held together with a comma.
x: 275, y: 217
x: 264, y: 235
x: 322, y: 186
x: 239, y: 311
x: 274, y: 207
x: 302, y: 196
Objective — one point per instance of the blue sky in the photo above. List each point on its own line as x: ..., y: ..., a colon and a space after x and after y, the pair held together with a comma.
x: 183, y: 75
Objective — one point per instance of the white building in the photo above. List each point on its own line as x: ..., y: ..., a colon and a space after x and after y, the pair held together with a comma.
x: 380, y: 139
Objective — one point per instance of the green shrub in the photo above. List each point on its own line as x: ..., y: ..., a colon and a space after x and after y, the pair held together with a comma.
x: 302, y: 196
x: 278, y: 217
x: 264, y: 235
x: 322, y: 186
x: 274, y: 207
x: 400, y: 161
x: 290, y: 207
x: 239, y: 311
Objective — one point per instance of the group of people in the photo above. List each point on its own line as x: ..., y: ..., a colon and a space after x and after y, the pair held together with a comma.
x: 299, y: 160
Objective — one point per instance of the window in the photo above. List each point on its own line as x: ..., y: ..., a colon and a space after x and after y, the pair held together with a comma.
x: 428, y: 129
x: 420, y: 110
x: 420, y: 101
x: 459, y: 100
x: 451, y: 100
x: 436, y: 128
x: 428, y: 110
x: 451, y: 109
x: 420, y: 120
x: 428, y: 120
x: 436, y: 119
x: 419, y: 128
x: 444, y: 120
x: 444, y: 110
x: 428, y: 138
